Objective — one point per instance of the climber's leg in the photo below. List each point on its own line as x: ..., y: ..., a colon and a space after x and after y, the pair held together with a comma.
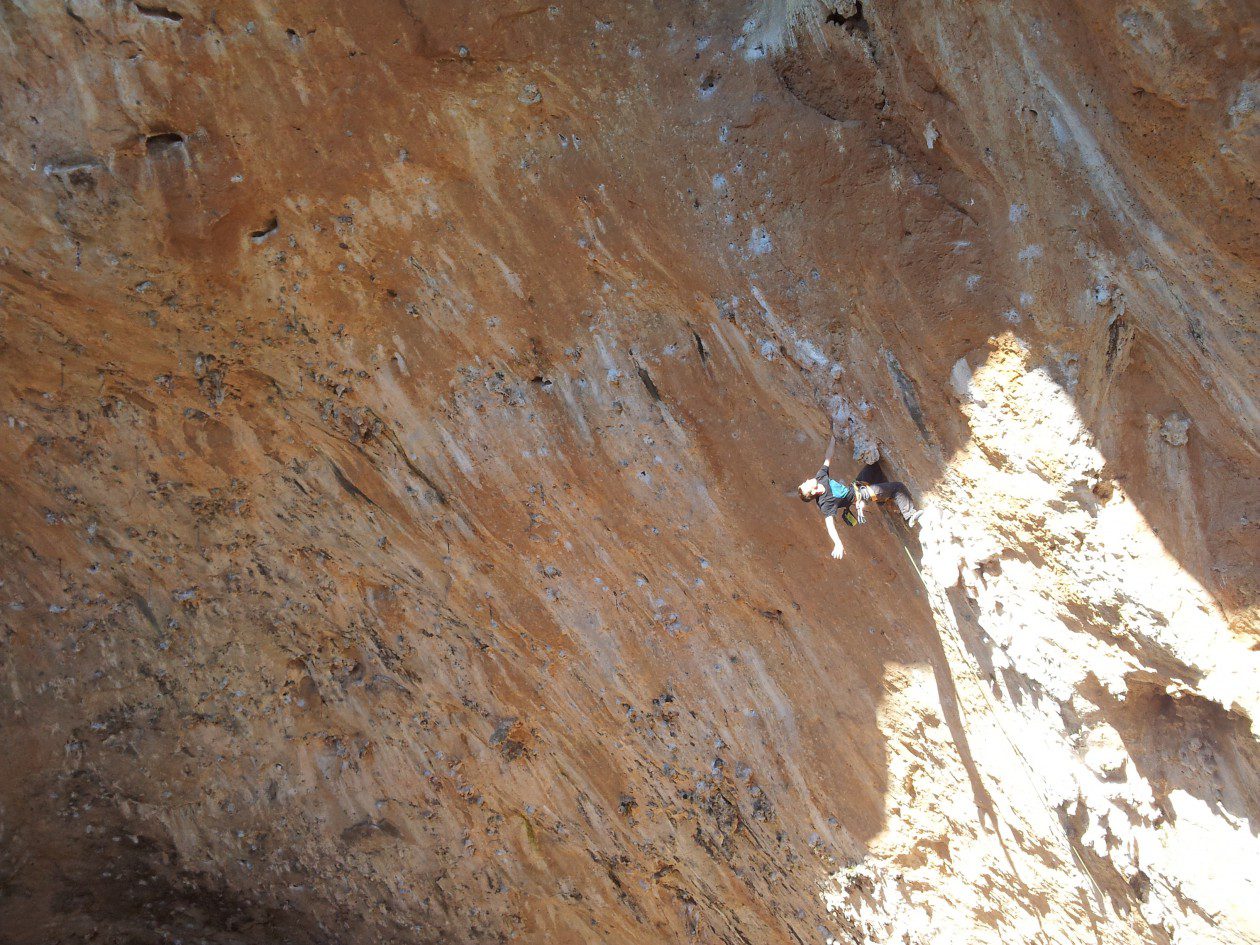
x: 897, y: 493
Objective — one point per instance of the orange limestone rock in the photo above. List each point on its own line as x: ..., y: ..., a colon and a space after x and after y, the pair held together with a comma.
x: 401, y: 412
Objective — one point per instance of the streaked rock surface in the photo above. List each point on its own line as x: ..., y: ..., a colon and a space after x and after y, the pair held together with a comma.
x: 400, y: 407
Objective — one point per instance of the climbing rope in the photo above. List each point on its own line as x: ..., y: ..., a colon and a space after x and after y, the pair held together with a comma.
x: 1027, y: 766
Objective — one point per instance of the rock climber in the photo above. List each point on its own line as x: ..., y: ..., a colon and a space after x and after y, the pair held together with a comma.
x: 848, y: 499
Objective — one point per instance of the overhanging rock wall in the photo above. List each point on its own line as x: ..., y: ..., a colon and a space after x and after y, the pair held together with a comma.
x: 401, y: 407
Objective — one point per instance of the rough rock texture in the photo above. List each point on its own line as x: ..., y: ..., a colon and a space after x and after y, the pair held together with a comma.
x: 401, y: 404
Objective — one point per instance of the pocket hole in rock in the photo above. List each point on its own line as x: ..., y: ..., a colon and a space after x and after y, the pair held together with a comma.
x: 163, y: 142
x: 159, y: 13
x: 266, y: 230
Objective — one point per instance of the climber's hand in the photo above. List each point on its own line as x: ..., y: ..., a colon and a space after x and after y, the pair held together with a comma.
x: 837, y: 549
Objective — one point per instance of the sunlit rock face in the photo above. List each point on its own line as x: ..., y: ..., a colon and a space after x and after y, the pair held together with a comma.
x: 401, y: 406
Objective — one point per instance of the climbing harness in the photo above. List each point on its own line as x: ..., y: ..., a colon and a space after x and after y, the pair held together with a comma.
x: 847, y: 515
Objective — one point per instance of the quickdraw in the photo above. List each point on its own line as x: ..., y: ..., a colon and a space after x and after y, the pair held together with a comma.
x: 862, y: 494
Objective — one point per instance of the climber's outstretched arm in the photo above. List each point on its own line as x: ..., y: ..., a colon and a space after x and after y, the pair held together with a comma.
x: 831, y: 448
x: 838, y: 550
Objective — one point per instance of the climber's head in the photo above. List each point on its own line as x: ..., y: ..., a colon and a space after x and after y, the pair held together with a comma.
x: 809, y: 489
